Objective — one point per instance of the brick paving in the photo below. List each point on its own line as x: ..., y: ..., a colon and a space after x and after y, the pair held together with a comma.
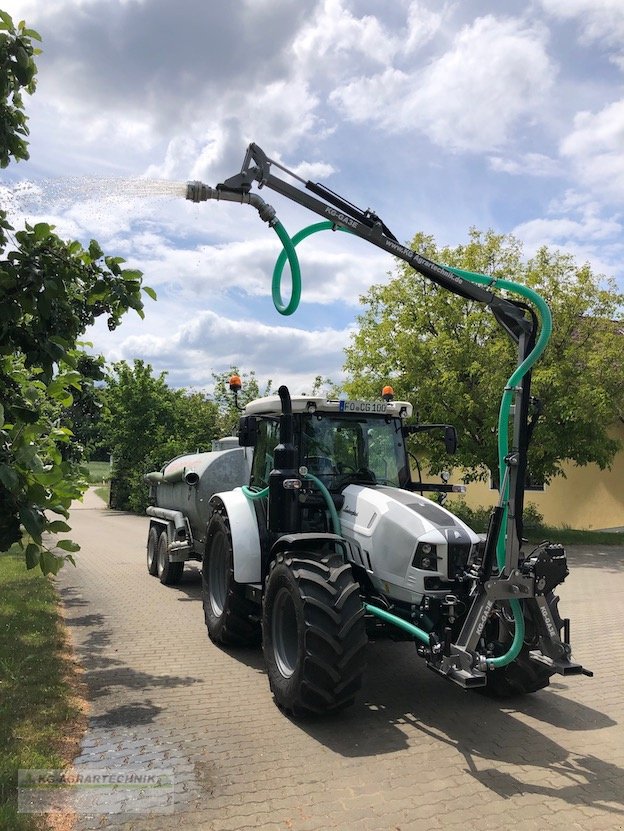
x: 415, y: 752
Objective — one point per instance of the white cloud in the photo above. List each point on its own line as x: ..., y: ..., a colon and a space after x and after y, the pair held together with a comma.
x: 496, y: 71
x: 528, y: 164
x: 595, y: 149
x: 210, y: 342
x: 598, y: 20
x: 578, y: 226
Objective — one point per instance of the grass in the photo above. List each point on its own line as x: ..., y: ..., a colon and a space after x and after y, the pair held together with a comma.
x: 38, y: 708
x: 99, y: 472
x: 103, y: 492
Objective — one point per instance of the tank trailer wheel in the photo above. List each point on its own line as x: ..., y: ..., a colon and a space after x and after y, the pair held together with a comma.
x: 152, y: 546
x: 313, y: 633
x: 523, y: 675
x: 168, y: 573
x: 227, y: 611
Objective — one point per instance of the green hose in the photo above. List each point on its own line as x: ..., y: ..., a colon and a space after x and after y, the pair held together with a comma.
x: 330, y: 502
x: 290, y: 254
x: 503, y: 437
x: 253, y: 495
x: 503, y: 419
x: 398, y: 622
x: 295, y: 272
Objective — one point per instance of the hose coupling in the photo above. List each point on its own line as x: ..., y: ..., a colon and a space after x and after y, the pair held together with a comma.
x: 198, y: 192
x: 266, y: 212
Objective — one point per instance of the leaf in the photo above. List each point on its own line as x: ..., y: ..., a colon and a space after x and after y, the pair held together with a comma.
x: 150, y: 292
x: 1, y: 415
x: 32, y: 34
x: 57, y: 526
x: 33, y: 522
x: 8, y: 477
x: 33, y: 552
x: 49, y: 563
x: 68, y: 545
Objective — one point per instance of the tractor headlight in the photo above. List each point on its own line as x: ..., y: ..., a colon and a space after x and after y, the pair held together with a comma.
x: 426, y: 557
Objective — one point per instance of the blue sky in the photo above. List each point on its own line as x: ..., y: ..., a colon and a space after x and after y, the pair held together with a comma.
x: 438, y: 115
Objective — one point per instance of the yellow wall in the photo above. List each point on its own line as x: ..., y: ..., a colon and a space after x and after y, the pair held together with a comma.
x: 588, y: 498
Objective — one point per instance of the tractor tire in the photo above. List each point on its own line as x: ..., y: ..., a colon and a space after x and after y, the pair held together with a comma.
x: 168, y: 573
x: 229, y: 615
x: 152, y: 547
x: 313, y: 633
x: 522, y: 676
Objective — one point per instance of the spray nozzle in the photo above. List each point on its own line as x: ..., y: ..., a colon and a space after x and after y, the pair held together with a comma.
x: 198, y: 192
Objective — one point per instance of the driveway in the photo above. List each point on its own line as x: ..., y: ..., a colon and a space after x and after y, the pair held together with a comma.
x: 415, y: 752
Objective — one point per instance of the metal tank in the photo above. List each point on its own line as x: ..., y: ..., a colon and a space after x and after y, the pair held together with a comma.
x: 186, y: 484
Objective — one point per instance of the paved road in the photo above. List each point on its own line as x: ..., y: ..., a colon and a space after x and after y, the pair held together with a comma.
x: 414, y: 753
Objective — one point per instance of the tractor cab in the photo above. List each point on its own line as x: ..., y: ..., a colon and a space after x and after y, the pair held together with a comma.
x: 340, y: 442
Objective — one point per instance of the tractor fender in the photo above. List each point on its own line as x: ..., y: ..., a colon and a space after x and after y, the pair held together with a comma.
x: 243, y: 524
x: 314, y: 544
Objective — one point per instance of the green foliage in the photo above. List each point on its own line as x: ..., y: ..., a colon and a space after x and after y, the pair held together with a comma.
x: 478, y: 517
x: 50, y: 292
x: 450, y: 358
x: 146, y: 423
x: 17, y: 74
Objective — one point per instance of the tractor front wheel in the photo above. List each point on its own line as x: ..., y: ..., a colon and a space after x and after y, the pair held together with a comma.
x: 230, y: 617
x: 313, y: 633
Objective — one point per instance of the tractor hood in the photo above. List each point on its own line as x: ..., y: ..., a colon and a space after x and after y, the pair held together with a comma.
x: 389, y: 524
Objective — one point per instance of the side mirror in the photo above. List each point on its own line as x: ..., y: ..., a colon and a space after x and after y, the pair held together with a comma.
x: 450, y: 439
x: 247, y: 431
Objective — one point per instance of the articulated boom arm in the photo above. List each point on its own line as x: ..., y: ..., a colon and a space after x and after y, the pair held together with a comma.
x: 367, y: 225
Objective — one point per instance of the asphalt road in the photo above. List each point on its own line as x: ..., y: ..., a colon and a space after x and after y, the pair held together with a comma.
x: 415, y: 752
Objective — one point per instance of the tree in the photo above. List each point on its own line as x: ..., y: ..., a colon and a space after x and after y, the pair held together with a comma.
x: 146, y: 423
x: 451, y: 359
x: 50, y: 292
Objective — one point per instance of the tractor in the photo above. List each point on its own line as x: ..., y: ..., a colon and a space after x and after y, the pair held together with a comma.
x: 312, y: 534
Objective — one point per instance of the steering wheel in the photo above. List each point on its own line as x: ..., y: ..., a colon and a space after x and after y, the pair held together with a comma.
x: 320, y: 464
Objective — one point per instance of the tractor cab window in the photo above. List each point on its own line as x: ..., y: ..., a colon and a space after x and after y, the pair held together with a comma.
x: 359, y: 449
x: 268, y: 438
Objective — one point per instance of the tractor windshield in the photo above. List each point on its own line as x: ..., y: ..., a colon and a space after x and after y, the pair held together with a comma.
x: 343, y: 449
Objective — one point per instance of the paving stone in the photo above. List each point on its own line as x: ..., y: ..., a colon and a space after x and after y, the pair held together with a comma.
x: 414, y: 752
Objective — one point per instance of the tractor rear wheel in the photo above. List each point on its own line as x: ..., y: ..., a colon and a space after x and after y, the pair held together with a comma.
x: 227, y: 612
x: 313, y: 633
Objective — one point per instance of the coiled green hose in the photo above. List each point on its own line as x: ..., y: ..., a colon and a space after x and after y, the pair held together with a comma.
x: 295, y: 271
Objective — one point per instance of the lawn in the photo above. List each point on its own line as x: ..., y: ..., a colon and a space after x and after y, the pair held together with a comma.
x: 99, y: 472
x: 40, y: 715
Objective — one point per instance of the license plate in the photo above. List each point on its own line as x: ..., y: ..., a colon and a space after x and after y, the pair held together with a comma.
x: 362, y: 406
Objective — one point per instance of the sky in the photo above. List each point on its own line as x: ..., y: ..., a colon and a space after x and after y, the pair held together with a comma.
x: 439, y: 116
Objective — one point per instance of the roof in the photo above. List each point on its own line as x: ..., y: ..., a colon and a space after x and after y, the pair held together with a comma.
x: 310, y: 404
